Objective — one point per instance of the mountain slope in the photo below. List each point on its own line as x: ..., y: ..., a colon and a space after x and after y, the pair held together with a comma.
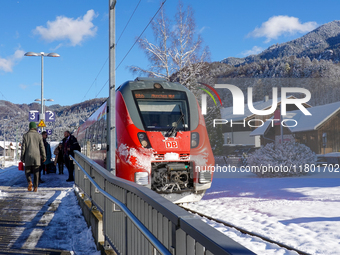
x: 321, y: 43
x: 14, y: 118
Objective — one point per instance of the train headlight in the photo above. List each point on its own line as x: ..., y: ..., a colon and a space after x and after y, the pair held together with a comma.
x: 144, y: 143
x: 142, y: 178
x: 204, y: 177
x: 143, y: 139
x: 157, y: 86
x: 195, y: 139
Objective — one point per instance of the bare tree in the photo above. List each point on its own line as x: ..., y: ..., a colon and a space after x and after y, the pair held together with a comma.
x: 177, y: 52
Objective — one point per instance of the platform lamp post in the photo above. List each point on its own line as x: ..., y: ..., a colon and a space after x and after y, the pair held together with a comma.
x: 48, y: 100
x: 42, y: 54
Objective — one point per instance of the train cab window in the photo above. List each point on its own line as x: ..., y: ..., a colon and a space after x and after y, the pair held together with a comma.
x: 163, y: 110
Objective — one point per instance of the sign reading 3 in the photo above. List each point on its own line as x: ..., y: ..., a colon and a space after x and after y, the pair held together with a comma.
x: 33, y: 116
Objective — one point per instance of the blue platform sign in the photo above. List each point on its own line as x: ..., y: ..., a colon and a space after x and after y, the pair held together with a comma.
x: 49, y: 116
x: 33, y: 116
x: 49, y: 131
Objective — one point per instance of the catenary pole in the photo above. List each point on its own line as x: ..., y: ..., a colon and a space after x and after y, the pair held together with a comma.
x: 111, y: 130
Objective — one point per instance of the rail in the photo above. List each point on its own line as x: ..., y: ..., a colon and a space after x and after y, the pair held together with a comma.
x: 137, y: 220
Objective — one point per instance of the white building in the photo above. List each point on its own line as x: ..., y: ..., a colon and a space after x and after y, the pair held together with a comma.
x: 10, y: 148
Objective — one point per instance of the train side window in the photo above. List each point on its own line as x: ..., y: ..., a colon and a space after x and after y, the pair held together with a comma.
x: 83, y: 144
x: 104, y: 133
x: 99, y: 134
x: 91, y: 136
x: 95, y: 136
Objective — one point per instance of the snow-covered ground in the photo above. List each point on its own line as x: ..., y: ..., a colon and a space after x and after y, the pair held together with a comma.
x: 64, y: 225
x: 300, y: 212
x: 303, y: 212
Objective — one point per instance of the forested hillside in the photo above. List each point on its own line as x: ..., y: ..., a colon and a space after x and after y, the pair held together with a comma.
x: 311, y: 61
x: 67, y: 118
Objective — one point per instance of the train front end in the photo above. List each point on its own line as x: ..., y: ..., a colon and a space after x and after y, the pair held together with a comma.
x: 162, y: 140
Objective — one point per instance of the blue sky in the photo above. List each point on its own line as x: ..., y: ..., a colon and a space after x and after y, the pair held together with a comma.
x: 78, y: 31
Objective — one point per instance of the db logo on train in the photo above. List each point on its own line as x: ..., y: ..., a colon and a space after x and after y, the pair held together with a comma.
x: 171, y: 144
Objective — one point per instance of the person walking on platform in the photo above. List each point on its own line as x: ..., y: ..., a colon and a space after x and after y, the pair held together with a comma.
x: 70, y: 144
x: 32, y: 154
x: 45, y: 166
x: 59, y: 158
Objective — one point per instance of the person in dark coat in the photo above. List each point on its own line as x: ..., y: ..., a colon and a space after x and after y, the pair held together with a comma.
x: 59, y: 158
x: 48, y: 161
x: 32, y: 153
x: 44, y: 165
x: 70, y: 144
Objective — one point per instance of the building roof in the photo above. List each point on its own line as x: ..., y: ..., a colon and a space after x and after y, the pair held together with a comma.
x: 319, y: 115
x: 263, y: 129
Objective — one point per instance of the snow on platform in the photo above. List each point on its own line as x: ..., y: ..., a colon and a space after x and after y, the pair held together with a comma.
x: 300, y: 212
x: 44, y: 222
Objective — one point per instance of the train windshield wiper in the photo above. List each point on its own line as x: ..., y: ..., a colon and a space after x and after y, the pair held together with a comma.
x: 172, y: 130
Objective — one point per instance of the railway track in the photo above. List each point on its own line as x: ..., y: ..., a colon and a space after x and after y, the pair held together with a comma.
x: 247, y: 232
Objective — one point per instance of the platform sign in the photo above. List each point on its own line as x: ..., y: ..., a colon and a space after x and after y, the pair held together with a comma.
x: 49, y: 131
x: 33, y: 116
x: 49, y: 116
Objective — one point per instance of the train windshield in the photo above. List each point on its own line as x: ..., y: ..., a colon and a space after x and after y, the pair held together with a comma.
x: 163, y: 110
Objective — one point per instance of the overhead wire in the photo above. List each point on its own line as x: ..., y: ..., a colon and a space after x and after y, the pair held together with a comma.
x: 135, y: 40
x: 3, y: 96
x: 102, y: 88
x: 140, y: 35
x: 95, y: 79
x: 108, y: 57
x: 128, y: 22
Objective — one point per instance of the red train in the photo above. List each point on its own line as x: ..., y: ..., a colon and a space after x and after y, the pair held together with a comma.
x: 161, y: 139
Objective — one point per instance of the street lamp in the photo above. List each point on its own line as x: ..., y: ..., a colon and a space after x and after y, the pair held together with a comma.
x: 42, y: 54
x: 49, y: 100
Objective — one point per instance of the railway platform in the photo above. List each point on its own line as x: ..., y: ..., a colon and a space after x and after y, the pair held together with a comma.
x: 135, y: 220
x: 45, y: 222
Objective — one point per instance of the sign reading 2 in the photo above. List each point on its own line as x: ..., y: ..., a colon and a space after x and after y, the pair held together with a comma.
x: 49, y: 116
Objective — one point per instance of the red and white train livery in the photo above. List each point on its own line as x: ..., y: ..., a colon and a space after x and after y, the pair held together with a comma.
x: 160, y: 139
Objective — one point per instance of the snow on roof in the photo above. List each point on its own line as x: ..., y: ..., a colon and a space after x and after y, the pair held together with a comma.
x: 332, y: 155
x: 261, y: 130
x: 320, y: 114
